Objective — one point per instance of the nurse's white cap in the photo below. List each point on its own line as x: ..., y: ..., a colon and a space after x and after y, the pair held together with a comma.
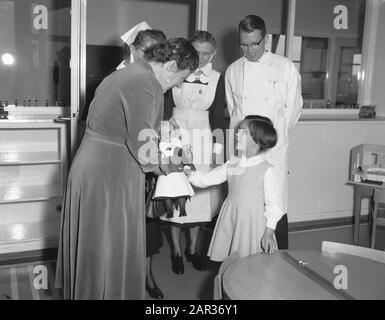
x: 131, y: 34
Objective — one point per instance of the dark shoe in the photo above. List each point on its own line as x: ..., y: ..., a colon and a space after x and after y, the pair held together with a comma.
x: 196, y: 260
x: 154, y: 292
x: 177, y: 264
x: 182, y: 213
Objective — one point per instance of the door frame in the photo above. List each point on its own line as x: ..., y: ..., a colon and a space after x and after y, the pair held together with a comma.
x: 78, y: 68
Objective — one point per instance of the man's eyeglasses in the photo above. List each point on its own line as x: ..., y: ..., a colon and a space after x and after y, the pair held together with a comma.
x: 253, y: 45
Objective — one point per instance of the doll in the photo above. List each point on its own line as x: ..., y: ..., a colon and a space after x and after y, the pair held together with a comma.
x: 174, y: 188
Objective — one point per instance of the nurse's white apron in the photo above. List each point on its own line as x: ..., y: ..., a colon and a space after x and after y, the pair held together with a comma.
x: 192, y: 102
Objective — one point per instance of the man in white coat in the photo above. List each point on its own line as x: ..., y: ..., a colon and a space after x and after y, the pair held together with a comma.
x: 266, y: 84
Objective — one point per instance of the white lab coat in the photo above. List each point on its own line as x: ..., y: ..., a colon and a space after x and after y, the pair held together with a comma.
x: 270, y: 87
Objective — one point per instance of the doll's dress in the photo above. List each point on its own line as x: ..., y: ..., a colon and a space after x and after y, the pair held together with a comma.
x: 175, y: 184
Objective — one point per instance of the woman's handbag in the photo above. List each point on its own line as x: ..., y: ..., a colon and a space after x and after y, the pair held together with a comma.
x: 154, y: 208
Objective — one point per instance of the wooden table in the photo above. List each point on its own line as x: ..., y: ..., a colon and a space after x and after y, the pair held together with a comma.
x: 362, y: 190
x: 281, y: 276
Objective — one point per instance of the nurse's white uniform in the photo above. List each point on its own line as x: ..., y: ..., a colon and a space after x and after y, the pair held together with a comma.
x: 191, y: 112
x: 270, y: 87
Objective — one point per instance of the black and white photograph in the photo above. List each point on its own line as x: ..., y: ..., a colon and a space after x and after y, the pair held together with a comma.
x: 192, y: 154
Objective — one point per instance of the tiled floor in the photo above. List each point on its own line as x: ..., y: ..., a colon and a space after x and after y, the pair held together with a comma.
x: 25, y: 281
x: 17, y: 280
x: 196, y: 285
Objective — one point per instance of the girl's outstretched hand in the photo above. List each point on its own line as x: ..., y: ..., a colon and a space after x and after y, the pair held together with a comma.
x: 187, y: 170
x: 268, y: 242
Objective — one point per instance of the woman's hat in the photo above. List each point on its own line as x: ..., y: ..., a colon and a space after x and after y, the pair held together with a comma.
x: 131, y: 34
x: 129, y: 38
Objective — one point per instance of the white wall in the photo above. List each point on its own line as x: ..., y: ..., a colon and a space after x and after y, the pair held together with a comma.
x: 319, y: 157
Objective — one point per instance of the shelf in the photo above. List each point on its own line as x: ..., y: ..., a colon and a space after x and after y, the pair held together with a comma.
x: 33, y: 171
x: 17, y: 194
x: 31, y: 157
x: 27, y: 233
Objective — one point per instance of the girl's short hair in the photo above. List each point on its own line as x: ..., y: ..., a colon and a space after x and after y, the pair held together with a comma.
x: 251, y: 23
x: 262, y: 131
x: 203, y: 36
x: 178, y: 49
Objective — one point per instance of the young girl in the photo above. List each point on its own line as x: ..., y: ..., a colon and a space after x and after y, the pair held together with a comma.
x: 251, y: 211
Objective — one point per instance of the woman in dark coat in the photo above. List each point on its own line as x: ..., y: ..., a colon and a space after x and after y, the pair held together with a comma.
x: 102, y: 240
x: 143, y: 40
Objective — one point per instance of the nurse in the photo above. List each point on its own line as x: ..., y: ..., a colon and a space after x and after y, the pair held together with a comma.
x: 265, y: 84
x: 197, y: 107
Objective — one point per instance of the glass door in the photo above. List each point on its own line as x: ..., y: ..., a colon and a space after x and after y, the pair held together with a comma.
x: 35, y: 47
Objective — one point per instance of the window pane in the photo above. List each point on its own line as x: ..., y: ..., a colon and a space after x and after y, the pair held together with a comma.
x: 357, y: 59
x: 35, y: 52
x: 108, y: 20
x: 313, y: 67
x: 330, y: 54
x: 347, y: 89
